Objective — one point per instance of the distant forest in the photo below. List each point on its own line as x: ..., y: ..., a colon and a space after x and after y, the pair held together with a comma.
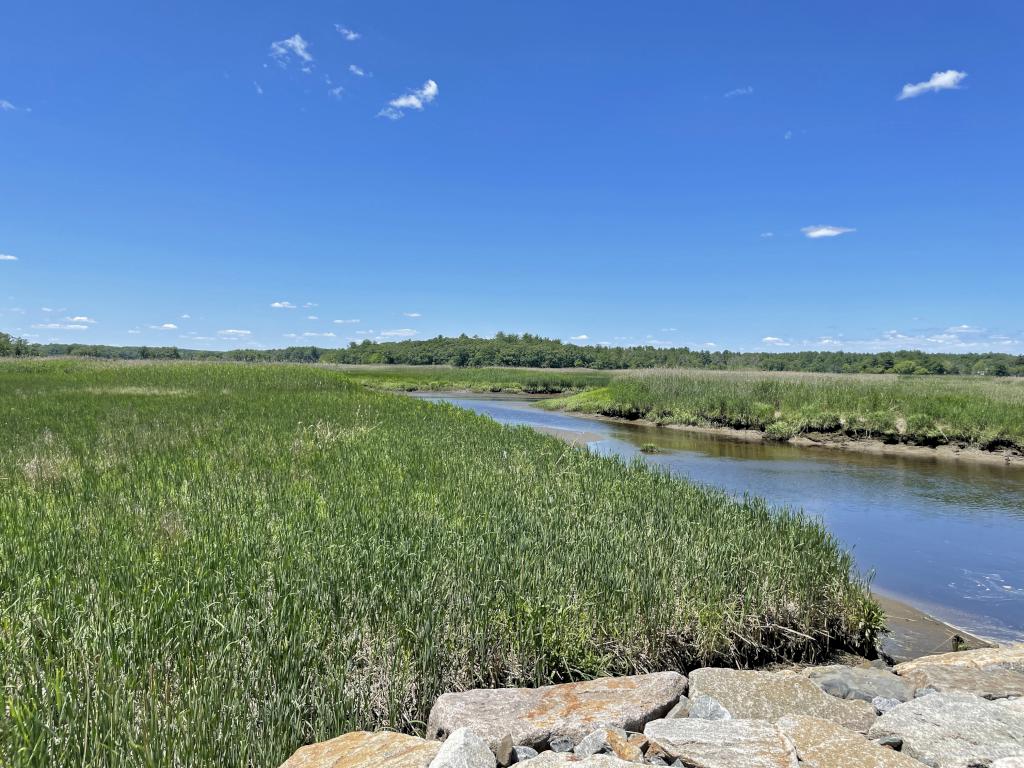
x: 527, y: 350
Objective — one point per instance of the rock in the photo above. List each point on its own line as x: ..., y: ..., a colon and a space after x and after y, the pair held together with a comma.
x: 708, y: 708
x: 720, y: 743
x: 504, y: 752
x: 569, y: 759
x: 1004, y: 657
x: 953, y: 730
x: 823, y: 744
x: 748, y: 694
x: 523, y: 753
x: 361, y: 749
x: 682, y: 709
x: 561, y: 744
x: 918, y: 693
x: 536, y: 716
x: 883, y: 705
x: 864, y: 683
x: 890, y: 742
x: 1009, y: 762
x: 989, y: 682
x: 1016, y: 703
x: 612, y: 741
x: 464, y: 749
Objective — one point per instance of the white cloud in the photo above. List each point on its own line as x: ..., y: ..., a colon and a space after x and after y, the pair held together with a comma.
x: 767, y: 235
x: 939, y: 81
x: 412, y: 314
x: 134, y: 331
x: 310, y: 305
x: 825, y: 230
x: 345, y: 322
x: 745, y: 91
x: 7, y: 257
x: 6, y: 106
x: 348, y: 34
x: 80, y: 319
x: 186, y: 317
x: 312, y: 317
x: 258, y: 87
x: 62, y: 326
x: 398, y: 333
x: 336, y: 91
x: 356, y: 70
x: 328, y: 334
x: 581, y: 337
x: 234, y: 332
x: 709, y: 344
x: 413, y: 100
x: 775, y: 341
x: 282, y: 305
x: 669, y: 330
x: 283, y: 50
x: 164, y: 327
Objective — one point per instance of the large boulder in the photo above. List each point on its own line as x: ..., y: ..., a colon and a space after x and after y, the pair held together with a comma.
x: 569, y: 759
x: 1004, y: 657
x: 953, y: 730
x: 720, y: 743
x: 535, y: 716
x: 464, y: 749
x: 754, y: 695
x: 865, y: 683
x: 989, y: 682
x: 361, y: 749
x: 823, y: 744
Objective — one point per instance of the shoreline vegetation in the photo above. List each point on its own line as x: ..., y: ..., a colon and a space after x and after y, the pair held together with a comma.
x: 963, y: 414
x: 225, y: 561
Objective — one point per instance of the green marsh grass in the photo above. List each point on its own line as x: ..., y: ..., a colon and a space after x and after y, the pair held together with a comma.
x: 983, y: 412
x: 209, y: 564
x: 535, y: 381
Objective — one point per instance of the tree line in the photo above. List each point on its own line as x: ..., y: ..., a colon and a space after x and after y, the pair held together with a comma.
x: 528, y: 350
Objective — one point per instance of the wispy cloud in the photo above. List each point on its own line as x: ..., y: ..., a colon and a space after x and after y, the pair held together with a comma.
x: 767, y: 235
x: 6, y: 106
x: 325, y: 334
x: 745, y: 91
x: 336, y: 91
x: 283, y: 51
x: 825, y: 230
x: 309, y: 305
x: 345, y: 322
x: 282, y: 305
x: 164, y: 327
x: 80, y: 319
x: 62, y: 326
x: 258, y: 87
x: 398, y: 333
x: 775, y: 341
x: 234, y: 333
x: 412, y: 100
x: 7, y: 257
x: 412, y: 314
x: 939, y: 81
x: 349, y: 34
x: 356, y: 70
x: 312, y: 317
x: 186, y: 316
x: 581, y: 337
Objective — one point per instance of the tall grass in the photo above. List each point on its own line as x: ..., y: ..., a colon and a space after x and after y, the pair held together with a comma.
x: 444, y: 378
x: 977, y: 411
x: 210, y: 564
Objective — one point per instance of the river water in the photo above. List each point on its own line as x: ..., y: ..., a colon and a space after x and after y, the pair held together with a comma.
x: 947, y: 537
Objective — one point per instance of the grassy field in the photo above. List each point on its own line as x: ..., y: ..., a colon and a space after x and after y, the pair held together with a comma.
x: 207, y: 564
x: 983, y: 412
x: 412, y: 378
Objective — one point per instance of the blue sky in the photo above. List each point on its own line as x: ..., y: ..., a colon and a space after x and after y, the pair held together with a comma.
x: 216, y: 175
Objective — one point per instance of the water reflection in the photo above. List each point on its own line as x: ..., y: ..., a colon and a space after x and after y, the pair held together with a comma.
x: 947, y: 536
